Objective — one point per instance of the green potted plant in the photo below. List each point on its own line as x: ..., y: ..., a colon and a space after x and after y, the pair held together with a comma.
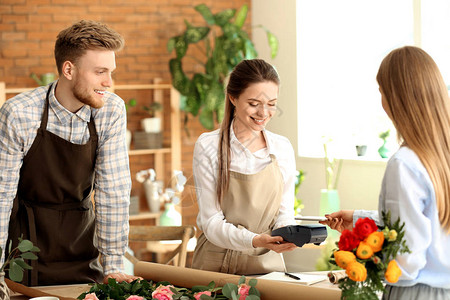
x: 223, y: 44
x: 152, y: 123
x: 15, y: 263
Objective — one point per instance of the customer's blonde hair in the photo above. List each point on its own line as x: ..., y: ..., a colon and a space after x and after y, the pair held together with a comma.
x: 420, y: 110
x: 73, y: 42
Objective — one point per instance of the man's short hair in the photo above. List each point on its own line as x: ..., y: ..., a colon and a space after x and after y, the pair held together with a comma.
x: 73, y: 42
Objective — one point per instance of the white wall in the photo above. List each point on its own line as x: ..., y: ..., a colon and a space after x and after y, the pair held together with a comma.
x: 360, y: 180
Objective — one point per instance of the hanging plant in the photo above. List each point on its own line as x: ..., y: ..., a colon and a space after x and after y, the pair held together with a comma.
x: 224, y: 44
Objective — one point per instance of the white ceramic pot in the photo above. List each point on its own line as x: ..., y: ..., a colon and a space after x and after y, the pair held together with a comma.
x: 151, y: 124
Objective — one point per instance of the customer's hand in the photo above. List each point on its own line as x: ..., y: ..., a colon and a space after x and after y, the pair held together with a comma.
x: 275, y: 243
x: 120, y: 277
x: 340, y: 220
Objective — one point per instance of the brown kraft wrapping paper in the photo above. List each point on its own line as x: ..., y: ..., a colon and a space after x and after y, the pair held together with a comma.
x: 186, y: 277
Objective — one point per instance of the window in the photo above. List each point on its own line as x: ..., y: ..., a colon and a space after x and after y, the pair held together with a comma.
x: 340, y: 47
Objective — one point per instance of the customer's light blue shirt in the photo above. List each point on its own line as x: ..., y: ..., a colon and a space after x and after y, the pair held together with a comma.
x: 407, y: 191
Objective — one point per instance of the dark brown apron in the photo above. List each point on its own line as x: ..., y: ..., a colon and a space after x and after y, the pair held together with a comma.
x: 53, y: 208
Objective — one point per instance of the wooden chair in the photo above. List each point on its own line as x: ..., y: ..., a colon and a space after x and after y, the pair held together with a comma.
x: 139, y: 233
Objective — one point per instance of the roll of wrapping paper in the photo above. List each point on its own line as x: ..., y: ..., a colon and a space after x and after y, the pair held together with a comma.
x: 335, y: 276
x: 269, y: 289
x: 31, y: 292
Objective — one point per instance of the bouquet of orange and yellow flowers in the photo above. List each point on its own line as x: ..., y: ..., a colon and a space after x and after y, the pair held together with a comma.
x: 368, y: 257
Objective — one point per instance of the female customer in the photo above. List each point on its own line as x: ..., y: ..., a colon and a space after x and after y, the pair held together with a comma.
x: 416, y: 184
x: 244, y: 177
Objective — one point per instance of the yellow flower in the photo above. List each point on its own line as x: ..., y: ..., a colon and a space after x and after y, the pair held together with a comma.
x: 356, y: 271
x: 364, y: 251
x: 344, y: 258
x: 393, y: 272
x: 375, y: 240
x: 392, y: 236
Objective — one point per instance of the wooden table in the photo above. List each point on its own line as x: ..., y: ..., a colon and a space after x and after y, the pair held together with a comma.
x: 70, y: 291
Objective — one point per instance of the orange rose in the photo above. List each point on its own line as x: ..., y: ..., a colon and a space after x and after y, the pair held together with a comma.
x: 344, y: 258
x: 393, y: 272
x: 356, y: 271
x: 364, y: 251
x: 375, y: 240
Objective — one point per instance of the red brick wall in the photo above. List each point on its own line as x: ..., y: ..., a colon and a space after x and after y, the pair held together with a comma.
x: 29, y: 28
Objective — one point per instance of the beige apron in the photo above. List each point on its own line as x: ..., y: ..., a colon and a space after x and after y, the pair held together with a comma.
x: 252, y: 202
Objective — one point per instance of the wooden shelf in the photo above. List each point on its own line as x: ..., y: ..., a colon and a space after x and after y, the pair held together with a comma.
x: 145, y: 216
x: 149, y: 151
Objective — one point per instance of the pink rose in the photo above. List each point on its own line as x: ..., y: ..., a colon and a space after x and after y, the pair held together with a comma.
x: 163, y: 292
x: 134, y: 297
x: 91, y: 296
x: 243, y: 291
x: 198, y: 295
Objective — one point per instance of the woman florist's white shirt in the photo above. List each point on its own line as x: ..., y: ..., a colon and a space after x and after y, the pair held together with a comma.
x: 210, y: 218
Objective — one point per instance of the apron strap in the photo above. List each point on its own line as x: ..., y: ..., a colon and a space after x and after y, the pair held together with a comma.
x: 85, y: 204
x: 33, y: 239
x: 45, y: 113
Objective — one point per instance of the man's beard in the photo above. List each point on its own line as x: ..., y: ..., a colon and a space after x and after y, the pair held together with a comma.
x: 84, y: 96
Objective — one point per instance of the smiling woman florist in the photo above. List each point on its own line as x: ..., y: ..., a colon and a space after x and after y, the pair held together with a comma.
x: 244, y: 177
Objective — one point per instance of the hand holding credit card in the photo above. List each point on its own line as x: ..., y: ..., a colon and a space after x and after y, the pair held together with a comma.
x: 310, y: 218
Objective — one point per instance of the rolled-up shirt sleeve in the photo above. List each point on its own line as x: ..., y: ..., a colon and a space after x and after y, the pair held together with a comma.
x: 112, y: 193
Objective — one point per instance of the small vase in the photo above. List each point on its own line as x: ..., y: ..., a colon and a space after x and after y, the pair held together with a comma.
x: 152, y: 193
x: 329, y: 203
x: 170, y: 216
x: 4, y: 290
x: 383, y: 151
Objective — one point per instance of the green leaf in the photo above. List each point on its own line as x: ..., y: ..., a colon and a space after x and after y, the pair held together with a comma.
x: 179, y: 79
x: 206, y: 13
x: 35, y: 249
x: 206, y: 297
x: 192, y: 105
x: 224, y: 16
x: 252, y: 297
x: 234, y: 295
x: 252, y: 282
x: 15, y: 271
x: 228, y: 288
x: 23, y: 264
x: 214, y: 96
x: 28, y: 255
x: 211, y: 285
x: 171, y: 44
x: 241, y: 280
x: 241, y: 16
x: 273, y: 43
x: 25, y: 245
x: 254, y: 291
x: 207, y: 119
x: 220, y: 112
x: 250, y: 52
x: 180, y: 46
x: 196, y: 34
